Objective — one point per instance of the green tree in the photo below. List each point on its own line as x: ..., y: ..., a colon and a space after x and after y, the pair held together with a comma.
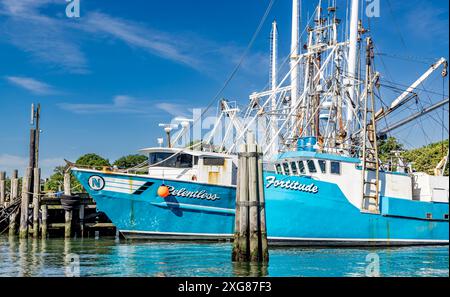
x: 426, y: 158
x: 385, y: 147
x: 130, y: 161
x: 55, y: 182
x: 92, y: 160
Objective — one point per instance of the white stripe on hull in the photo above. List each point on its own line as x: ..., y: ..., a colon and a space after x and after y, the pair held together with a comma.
x: 124, y: 181
x: 298, y: 241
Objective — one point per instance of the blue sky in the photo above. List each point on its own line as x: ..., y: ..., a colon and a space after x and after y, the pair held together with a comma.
x: 106, y: 79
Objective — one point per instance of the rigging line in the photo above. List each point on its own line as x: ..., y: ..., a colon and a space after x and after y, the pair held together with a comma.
x: 310, y: 20
x: 384, y: 65
x: 443, y: 115
x: 401, y: 90
x: 397, y: 27
x: 238, y: 66
x: 420, y: 60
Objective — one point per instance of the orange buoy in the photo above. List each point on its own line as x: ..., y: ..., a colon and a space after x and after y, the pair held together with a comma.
x: 163, y: 191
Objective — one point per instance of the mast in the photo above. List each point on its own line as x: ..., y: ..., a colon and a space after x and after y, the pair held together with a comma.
x: 274, y: 83
x: 294, y: 53
x: 274, y: 54
x: 352, y: 60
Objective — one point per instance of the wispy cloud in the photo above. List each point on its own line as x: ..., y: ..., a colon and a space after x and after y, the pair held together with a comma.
x: 427, y: 21
x: 176, y: 110
x: 32, y: 85
x: 158, y: 43
x: 46, y: 39
x: 119, y: 104
x: 56, y: 40
x: 124, y: 104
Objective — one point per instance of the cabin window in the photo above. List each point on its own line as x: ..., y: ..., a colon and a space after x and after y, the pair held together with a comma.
x: 294, y: 168
x: 278, y: 169
x: 323, y: 166
x: 335, y: 167
x: 195, y: 160
x: 184, y: 161
x: 161, y: 159
x: 170, y: 160
x: 311, y: 166
x: 301, y: 167
x: 446, y: 216
x: 209, y: 161
x: 286, y: 168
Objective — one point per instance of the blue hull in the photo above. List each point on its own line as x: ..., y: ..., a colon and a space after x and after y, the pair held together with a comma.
x: 312, y: 213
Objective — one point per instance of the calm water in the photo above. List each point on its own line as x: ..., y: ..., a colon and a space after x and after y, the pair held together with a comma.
x: 110, y: 257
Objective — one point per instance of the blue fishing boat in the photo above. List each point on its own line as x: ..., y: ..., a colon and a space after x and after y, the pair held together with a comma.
x: 324, y: 181
x: 311, y: 199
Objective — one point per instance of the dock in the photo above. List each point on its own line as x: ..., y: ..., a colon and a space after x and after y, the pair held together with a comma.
x: 48, y: 215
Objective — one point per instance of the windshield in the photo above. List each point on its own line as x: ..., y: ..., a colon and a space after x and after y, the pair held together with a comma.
x: 178, y: 161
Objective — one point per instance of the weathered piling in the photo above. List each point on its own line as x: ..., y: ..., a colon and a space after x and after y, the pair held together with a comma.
x: 240, y: 246
x: 68, y: 216
x: 36, y: 195
x: 67, y: 190
x: 14, y: 196
x: 81, y: 217
x: 253, y: 199
x: 24, y: 209
x: 262, y: 210
x: 44, y: 214
x: 68, y: 224
x: 2, y: 188
x: 250, y: 240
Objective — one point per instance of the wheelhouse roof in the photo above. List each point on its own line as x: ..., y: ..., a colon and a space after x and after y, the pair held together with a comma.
x: 314, y: 155
x: 184, y: 151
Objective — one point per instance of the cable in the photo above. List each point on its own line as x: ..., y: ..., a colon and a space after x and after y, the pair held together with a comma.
x: 235, y: 70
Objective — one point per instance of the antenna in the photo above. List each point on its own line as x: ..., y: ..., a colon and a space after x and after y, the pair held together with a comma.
x: 168, y: 128
x: 294, y: 52
x: 32, y: 114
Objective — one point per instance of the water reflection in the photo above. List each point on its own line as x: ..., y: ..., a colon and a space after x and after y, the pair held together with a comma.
x: 110, y: 257
x: 250, y: 269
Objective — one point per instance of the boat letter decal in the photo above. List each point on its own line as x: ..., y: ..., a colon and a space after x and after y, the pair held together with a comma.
x: 290, y: 185
x: 96, y: 183
x: 192, y: 194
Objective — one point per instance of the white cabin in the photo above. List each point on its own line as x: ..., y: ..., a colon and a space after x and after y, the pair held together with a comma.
x: 195, y: 166
x: 346, y: 173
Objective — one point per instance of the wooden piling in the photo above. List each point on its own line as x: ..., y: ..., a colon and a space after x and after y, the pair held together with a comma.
x: 243, y: 204
x: 24, y: 211
x: 68, y: 223
x: 67, y: 190
x: 262, y: 210
x: 36, y: 199
x: 44, y: 214
x: 237, y: 220
x: 240, y: 249
x: 253, y: 199
x: 81, y: 217
x: 2, y: 188
x: 68, y: 213
x: 250, y: 244
x: 12, y: 198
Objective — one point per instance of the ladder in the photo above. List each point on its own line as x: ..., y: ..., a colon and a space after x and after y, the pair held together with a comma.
x: 370, y: 181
